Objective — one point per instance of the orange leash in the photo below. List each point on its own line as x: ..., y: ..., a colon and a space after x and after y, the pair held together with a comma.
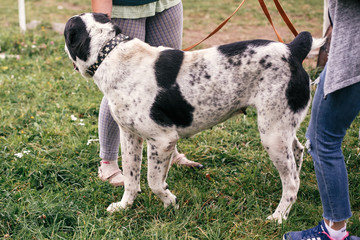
x: 216, y: 29
x: 267, y: 14
x: 283, y: 15
x: 285, y: 18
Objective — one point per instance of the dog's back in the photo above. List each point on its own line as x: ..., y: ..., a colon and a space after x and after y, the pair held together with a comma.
x: 220, y: 81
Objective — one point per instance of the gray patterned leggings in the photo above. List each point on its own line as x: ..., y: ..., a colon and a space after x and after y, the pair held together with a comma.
x: 163, y: 29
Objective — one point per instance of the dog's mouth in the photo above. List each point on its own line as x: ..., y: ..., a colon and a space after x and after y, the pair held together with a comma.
x: 75, y: 67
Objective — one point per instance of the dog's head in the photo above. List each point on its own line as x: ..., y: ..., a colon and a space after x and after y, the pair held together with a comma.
x: 85, y: 34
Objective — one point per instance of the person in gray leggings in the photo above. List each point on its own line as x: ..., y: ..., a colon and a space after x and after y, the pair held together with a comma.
x: 158, y: 23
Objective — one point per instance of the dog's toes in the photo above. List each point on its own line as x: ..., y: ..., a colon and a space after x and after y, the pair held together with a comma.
x: 180, y: 159
x: 275, y: 217
x: 172, y: 202
x: 176, y: 206
x: 168, y: 199
x: 115, y: 207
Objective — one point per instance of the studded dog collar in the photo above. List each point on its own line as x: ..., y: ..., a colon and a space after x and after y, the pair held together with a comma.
x: 105, y: 50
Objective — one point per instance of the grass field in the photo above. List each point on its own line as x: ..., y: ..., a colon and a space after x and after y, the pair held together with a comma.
x: 48, y: 162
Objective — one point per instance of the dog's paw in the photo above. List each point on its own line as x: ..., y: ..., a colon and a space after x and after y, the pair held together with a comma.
x: 170, y: 200
x: 175, y: 205
x: 276, y: 217
x: 117, y: 207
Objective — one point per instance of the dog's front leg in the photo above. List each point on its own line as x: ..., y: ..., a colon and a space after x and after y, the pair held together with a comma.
x: 159, y: 158
x: 131, y: 152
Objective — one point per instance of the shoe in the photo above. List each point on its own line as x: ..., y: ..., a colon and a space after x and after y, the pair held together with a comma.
x: 317, y: 233
x: 113, y: 175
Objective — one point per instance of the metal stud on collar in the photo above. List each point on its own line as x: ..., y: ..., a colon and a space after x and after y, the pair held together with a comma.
x: 105, y: 50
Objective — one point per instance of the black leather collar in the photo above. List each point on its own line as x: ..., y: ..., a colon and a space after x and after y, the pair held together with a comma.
x: 105, y: 50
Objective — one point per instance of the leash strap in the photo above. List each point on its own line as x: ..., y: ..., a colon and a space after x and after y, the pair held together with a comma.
x: 267, y: 14
x: 285, y: 18
x: 216, y: 29
x: 283, y: 15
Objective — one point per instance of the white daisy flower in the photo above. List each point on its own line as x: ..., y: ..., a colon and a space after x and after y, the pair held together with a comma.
x: 19, y: 155
x: 91, y: 140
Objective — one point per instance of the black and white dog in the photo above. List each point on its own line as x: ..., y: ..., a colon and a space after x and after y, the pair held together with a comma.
x: 160, y: 94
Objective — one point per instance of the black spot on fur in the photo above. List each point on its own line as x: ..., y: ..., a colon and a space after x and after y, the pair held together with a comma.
x: 170, y: 108
x: 77, y: 39
x: 235, y: 62
x: 167, y: 67
x: 238, y: 48
x: 264, y: 63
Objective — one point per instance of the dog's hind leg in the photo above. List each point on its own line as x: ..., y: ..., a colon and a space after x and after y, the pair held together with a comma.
x: 279, y: 145
x: 131, y: 152
x: 159, y: 159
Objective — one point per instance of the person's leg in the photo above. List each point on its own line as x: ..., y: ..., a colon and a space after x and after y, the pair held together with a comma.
x: 109, y: 134
x: 109, y: 138
x: 165, y: 28
x: 135, y: 28
x: 331, y: 116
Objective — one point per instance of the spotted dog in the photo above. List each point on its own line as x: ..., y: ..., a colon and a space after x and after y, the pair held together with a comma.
x: 160, y: 94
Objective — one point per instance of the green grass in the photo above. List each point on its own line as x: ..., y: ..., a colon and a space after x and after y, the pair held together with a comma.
x: 52, y: 191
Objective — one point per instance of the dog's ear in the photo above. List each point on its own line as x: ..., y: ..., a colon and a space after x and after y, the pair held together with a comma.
x: 101, y: 17
x: 77, y: 39
x: 104, y: 18
x: 117, y: 29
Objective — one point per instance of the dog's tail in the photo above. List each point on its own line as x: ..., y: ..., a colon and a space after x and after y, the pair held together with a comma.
x: 303, y: 44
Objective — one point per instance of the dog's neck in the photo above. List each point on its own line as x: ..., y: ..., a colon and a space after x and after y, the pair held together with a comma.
x: 105, y: 50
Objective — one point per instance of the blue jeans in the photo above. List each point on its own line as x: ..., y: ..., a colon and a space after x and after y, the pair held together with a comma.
x: 331, y: 116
